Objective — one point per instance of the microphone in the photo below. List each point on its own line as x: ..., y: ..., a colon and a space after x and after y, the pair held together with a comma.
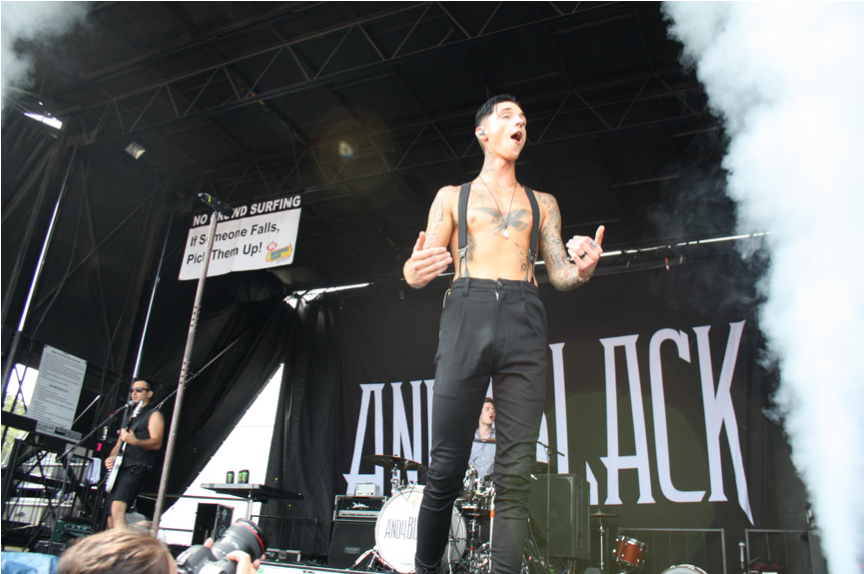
x: 124, y: 407
x: 216, y: 204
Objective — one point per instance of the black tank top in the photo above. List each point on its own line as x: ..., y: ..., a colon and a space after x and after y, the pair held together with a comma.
x: 135, y: 454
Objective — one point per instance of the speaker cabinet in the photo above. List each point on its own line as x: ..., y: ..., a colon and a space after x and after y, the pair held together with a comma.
x: 211, y: 521
x: 348, y: 540
x: 567, y: 515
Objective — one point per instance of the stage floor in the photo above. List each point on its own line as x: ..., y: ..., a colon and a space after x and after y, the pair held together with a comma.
x: 289, y: 568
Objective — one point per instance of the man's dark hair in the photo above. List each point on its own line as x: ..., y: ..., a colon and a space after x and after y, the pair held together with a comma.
x: 486, y: 109
x: 489, y: 399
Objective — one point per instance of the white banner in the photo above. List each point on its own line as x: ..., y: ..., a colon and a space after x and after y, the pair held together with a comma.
x: 257, y: 236
x: 57, y: 390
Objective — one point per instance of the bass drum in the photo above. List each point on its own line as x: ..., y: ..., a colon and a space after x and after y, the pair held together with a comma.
x: 396, y: 531
x: 683, y: 569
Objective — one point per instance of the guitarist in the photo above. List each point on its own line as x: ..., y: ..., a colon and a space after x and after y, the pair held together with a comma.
x: 137, y: 449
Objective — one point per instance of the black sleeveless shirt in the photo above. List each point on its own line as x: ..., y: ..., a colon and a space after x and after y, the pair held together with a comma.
x: 135, y: 454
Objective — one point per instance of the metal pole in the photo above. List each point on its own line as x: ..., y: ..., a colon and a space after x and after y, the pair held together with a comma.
x: 16, y: 340
x: 181, y: 385
x: 152, y: 298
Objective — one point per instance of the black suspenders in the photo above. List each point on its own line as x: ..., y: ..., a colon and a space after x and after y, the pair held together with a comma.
x: 463, y: 231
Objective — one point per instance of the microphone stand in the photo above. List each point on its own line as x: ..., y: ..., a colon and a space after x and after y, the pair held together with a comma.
x: 107, y: 420
x: 218, y: 207
x: 64, y: 458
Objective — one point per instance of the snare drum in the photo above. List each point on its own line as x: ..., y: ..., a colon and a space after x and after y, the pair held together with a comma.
x: 396, y: 531
x: 630, y: 553
x: 683, y: 569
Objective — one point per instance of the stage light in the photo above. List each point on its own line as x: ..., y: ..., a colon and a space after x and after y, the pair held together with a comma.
x: 136, y: 150
x: 346, y: 150
x: 47, y: 119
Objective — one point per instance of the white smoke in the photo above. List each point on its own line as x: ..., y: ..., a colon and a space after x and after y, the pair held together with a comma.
x: 32, y: 22
x: 788, y: 81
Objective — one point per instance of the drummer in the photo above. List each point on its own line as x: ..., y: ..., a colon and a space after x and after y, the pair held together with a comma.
x: 482, y: 457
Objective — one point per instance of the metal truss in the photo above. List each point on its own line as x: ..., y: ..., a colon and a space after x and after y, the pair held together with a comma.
x: 219, y: 88
x: 308, y: 169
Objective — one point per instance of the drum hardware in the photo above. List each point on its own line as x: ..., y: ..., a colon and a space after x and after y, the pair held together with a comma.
x: 630, y: 553
x: 395, y: 464
x: 600, y: 515
x: 470, y: 483
x: 476, y: 504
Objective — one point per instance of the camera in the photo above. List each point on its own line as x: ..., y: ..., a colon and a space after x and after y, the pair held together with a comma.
x: 242, y: 535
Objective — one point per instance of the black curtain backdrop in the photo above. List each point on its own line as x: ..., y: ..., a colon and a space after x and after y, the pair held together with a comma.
x: 29, y: 193
x: 243, y: 331
x: 94, y: 292
x: 357, y: 355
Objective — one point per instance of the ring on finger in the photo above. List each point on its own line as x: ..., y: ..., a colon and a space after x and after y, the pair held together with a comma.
x: 583, y: 256
x: 594, y: 245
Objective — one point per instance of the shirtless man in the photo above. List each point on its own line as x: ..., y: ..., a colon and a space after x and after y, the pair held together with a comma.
x: 493, y: 325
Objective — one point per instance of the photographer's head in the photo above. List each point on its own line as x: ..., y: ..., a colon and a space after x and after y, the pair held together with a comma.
x: 117, y: 551
x: 135, y: 551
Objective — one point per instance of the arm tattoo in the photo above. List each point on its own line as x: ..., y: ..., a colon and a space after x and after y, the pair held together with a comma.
x: 563, y: 275
x: 436, y: 212
x: 437, y: 215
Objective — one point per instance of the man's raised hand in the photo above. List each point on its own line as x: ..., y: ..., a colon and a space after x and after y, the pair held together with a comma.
x: 426, y: 264
x: 586, y: 252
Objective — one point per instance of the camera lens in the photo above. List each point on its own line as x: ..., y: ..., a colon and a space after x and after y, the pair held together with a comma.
x: 242, y: 535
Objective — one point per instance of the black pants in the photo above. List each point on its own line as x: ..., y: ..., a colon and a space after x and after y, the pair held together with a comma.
x: 489, y: 329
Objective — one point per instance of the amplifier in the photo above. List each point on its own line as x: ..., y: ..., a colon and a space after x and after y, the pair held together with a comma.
x: 71, y: 527
x: 357, y: 507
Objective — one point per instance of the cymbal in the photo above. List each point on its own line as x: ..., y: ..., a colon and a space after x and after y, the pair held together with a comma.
x: 388, y: 461
x: 601, y: 514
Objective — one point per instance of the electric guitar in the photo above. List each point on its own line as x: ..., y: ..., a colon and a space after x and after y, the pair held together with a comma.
x: 118, y: 460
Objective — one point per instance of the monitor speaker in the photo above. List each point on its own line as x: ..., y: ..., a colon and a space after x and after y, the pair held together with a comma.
x: 349, y: 540
x: 567, y: 515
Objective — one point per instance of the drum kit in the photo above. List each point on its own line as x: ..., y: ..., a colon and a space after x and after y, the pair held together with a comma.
x: 396, y: 524
x: 468, y: 550
x: 630, y: 553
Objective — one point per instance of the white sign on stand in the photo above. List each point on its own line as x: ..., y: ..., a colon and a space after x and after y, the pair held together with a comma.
x: 55, y: 397
x: 257, y: 235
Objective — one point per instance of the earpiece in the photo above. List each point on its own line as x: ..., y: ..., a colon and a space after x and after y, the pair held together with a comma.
x: 482, y: 132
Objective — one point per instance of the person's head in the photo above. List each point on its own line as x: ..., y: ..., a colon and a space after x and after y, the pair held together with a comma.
x: 500, y: 126
x: 141, y: 391
x: 117, y: 551
x: 487, y: 415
